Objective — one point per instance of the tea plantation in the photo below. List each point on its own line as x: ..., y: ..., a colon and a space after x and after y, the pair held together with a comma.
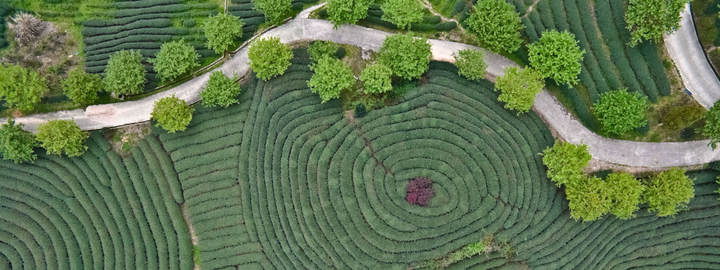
x: 283, y: 181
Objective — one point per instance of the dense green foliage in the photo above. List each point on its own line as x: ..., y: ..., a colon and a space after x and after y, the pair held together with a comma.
x: 496, y: 25
x: 331, y: 77
x: 220, y: 90
x: 21, y: 88
x: 17, y: 144
x: 376, y: 79
x: 320, y: 48
x: 125, y: 74
x: 221, y: 31
x: 712, y: 125
x: 609, y: 61
x: 58, y: 136
x: 82, y: 87
x: 408, y: 57
x: 669, y: 192
x: 651, y: 19
x: 274, y: 10
x: 588, y: 198
x: 565, y: 162
x: 269, y: 57
x: 620, y: 111
x: 557, y: 56
x: 625, y: 192
x: 174, y: 59
x: 347, y: 11
x: 172, y: 113
x: 519, y: 88
x: 402, y: 12
x: 470, y: 63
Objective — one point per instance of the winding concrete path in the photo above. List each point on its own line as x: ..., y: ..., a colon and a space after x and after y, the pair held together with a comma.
x: 697, y: 74
x: 629, y: 153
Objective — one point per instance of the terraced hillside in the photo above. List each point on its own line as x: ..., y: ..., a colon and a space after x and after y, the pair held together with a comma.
x: 144, y: 26
x: 97, y: 211
x: 283, y: 181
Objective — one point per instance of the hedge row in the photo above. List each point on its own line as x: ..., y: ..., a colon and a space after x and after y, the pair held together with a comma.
x: 429, y: 23
x: 609, y: 63
x: 94, y: 211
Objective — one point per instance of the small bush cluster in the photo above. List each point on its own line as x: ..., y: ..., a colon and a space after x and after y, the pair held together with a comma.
x: 420, y: 191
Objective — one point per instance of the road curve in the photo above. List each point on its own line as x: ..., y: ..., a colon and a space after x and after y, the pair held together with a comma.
x: 697, y: 74
x: 654, y: 155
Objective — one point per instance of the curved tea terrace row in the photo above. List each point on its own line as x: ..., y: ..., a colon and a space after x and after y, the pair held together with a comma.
x: 614, y: 151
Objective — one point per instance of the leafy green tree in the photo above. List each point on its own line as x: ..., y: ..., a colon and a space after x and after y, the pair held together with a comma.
x: 274, y: 10
x: 347, y: 11
x: 669, y: 192
x: 82, y: 87
x: 408, y: 57
x: 588, y: 198
x: 496, y: 25
x: 557, y: 56
x: 220, y: 90
x: 57, y: 136
x: 402, y: 12
x: 21, y: 88
x: 624, y: 191
x: 620, y: 111
x: 519, y: 88
x: 650, y: 19
x: 221, y: 31
x: 17, y: 144
x: 470, y: 63
x: 125, y: 73
x: 172, y: 113
x: 565, y: 162
x: 174, y: 59
x: 376, y: 79
x: 269, y: 57
x: 330, y: 78
x: 712, y: 125
x: 318, y: 49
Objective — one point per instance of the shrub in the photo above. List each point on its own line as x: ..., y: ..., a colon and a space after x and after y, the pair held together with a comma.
x: 470, y: 63
x: 376, y: 79
x: 557, y: 56
x: 519, y: 88
x: 360, y: 110
x: 221, y: 31
x: 17, y: 144
x: 189, y: 23
x: 565, y: 162
x: 683, y: 116
x: 174, y: 59
x: 712, y: 125
x: 496, y: 25
x: 220, y: 90
x: 172, y: 113
x: 81, y: 87
x: 669, y: 192
x: 408, y: 57
x: 269, y: 57
x: 125, y: 74
x: 620, y: 111
x: 420, y: 191
x: 57, y: 136
x: 330, y: 78
x: 624, y: 191
x: 588, y: 198
x: 274, y: 10
x: 318, y: 49
x: 402, y: 12
x: 21, y: 88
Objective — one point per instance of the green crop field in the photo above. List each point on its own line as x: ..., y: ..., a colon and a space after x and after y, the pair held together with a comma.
x: 282, y: 181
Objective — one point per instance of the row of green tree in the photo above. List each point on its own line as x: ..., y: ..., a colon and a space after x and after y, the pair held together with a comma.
x: 619, y: 193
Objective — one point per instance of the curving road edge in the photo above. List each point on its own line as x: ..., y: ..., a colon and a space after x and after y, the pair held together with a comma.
x: 655, y: 155
x: 689, y: 57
